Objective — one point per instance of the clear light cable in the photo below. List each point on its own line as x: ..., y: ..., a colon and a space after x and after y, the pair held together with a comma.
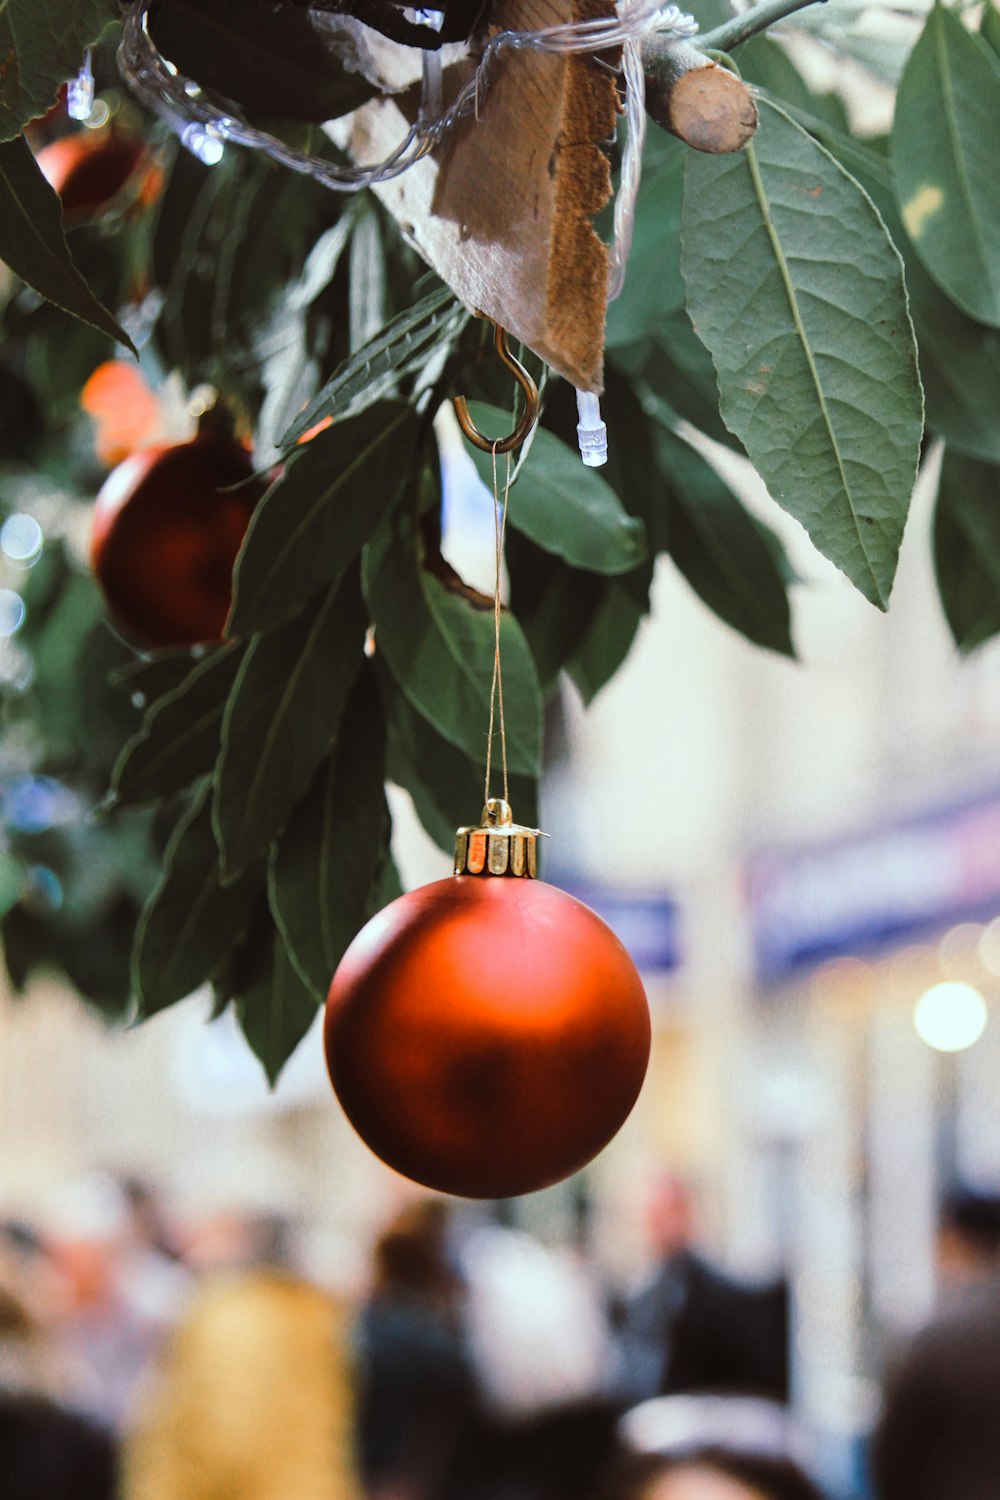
x: 186, y: 108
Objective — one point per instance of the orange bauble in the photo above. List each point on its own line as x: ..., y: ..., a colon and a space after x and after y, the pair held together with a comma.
x: 487, y: 1035
x: 89, y: 169
x: 166, y: 531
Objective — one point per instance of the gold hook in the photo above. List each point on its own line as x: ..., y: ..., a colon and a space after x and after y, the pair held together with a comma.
x: 531, y: 403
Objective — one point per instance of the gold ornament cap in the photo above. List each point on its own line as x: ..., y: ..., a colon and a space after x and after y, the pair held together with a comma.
x: 498, y: 846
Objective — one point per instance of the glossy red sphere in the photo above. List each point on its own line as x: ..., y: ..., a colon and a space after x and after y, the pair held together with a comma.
x: 487, y: 1036
x: 88, y: 170
x: 166, y: 531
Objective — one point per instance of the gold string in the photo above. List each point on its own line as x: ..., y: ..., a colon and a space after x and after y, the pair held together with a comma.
x: 496, y: 687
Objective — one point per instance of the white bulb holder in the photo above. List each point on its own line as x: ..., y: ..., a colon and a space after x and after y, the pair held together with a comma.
x: 80, y: 92
x: 591, y: 433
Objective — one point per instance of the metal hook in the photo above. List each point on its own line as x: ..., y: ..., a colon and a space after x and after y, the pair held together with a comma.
x: 531, y: 403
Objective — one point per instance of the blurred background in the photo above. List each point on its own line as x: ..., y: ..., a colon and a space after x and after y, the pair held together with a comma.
x: 804, y: 860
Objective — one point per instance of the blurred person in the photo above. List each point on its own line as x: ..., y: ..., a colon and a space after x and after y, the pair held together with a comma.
x: 121, y: 1295
x: 710, y: 1448
x: 690, y: 1327
x: 540, y: 1344
x: 251, y: 1398
x: 938, y: 1437
x: 149, y: 1220
x: 416, y: 1388
x: 48, y: 1451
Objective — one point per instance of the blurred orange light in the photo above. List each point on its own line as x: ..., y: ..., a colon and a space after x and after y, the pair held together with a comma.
x: 126, y: 412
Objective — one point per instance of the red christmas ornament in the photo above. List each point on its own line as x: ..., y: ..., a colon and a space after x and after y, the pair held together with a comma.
x: 89, y: 169
x: 487, y: 1034
x: 166, y: 531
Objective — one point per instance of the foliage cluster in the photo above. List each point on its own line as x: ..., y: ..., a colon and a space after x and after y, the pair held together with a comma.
x: 798, y: 301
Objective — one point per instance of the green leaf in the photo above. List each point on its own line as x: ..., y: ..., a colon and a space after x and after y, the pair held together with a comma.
x: 990, y: 28
x: 553, y: 604
x: 274, y: 1005
x: 314, y: 520
x: 327, y: 863
x: 945, y: 149
x: 967, y: 548
x: 959, y: 359
x: 438, y: 640
x: 796, y: 289
x: 191, y: 920
x: 631, y: 467
x: 372, y: 372
x: 720, y: 550
x: 147, y: 678
x: 179, y: 738
x: 563, y: 506
x: 32, y: 241
x: 41, y: 45
x: 445, y: 785
x: 268, y: 59
x: 607, y: 642
x: 281, y: 719
x: 653, y: 287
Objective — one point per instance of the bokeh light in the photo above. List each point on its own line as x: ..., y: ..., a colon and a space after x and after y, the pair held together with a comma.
x: 11, y: 612
x: 950, y: 1016
x: 21, y: 538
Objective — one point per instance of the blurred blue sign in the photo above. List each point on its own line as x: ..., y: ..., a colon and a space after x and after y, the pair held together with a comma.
x: 877, y: 888
x: 647, y: 922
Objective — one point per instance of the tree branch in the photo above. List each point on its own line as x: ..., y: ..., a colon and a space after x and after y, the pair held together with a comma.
x: 703, y: 104
x: 741, y: 28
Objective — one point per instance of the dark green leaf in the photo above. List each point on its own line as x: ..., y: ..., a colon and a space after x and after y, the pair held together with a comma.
x: 370, y: 374
x: 269, y: 59
x: 563, y: 506
x: 389, y: 887
x: 967, y: 548
x: 719, y: 549
x: 438, y: 640
x: 607, y: 642
x: 41, y: 45
x: 150, y: 677
x: 945, y: 149
x: 33, y: 244
x: 282, y: 718
x: 179, y: 738
x: 631, y: 469
x: 653, y: 287
x: 191, y: 920
x: 959, y: 359
x: 990, y: 28
x: 274, y: 1005
x: 447, y: 788
x: 796, y: 289
x: 327, y: 862
x: 315, y: 519
x: 554, y: 604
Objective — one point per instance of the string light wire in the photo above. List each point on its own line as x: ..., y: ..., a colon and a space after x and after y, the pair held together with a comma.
x: 189, y: 111
x: 496, y: 687
x: 205, y: 129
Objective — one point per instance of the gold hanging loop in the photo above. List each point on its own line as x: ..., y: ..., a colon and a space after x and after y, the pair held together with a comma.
x: 531, y: 403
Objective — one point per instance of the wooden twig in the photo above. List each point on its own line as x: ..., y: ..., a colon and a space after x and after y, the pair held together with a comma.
x: 696, y: 99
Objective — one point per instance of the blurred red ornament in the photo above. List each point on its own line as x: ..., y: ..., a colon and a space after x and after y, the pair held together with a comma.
x: 487, y: 1034
x: 166, y: 531
x: 90, y: 168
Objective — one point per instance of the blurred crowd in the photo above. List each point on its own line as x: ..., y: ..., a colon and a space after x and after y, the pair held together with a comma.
x: 146, y: 1359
